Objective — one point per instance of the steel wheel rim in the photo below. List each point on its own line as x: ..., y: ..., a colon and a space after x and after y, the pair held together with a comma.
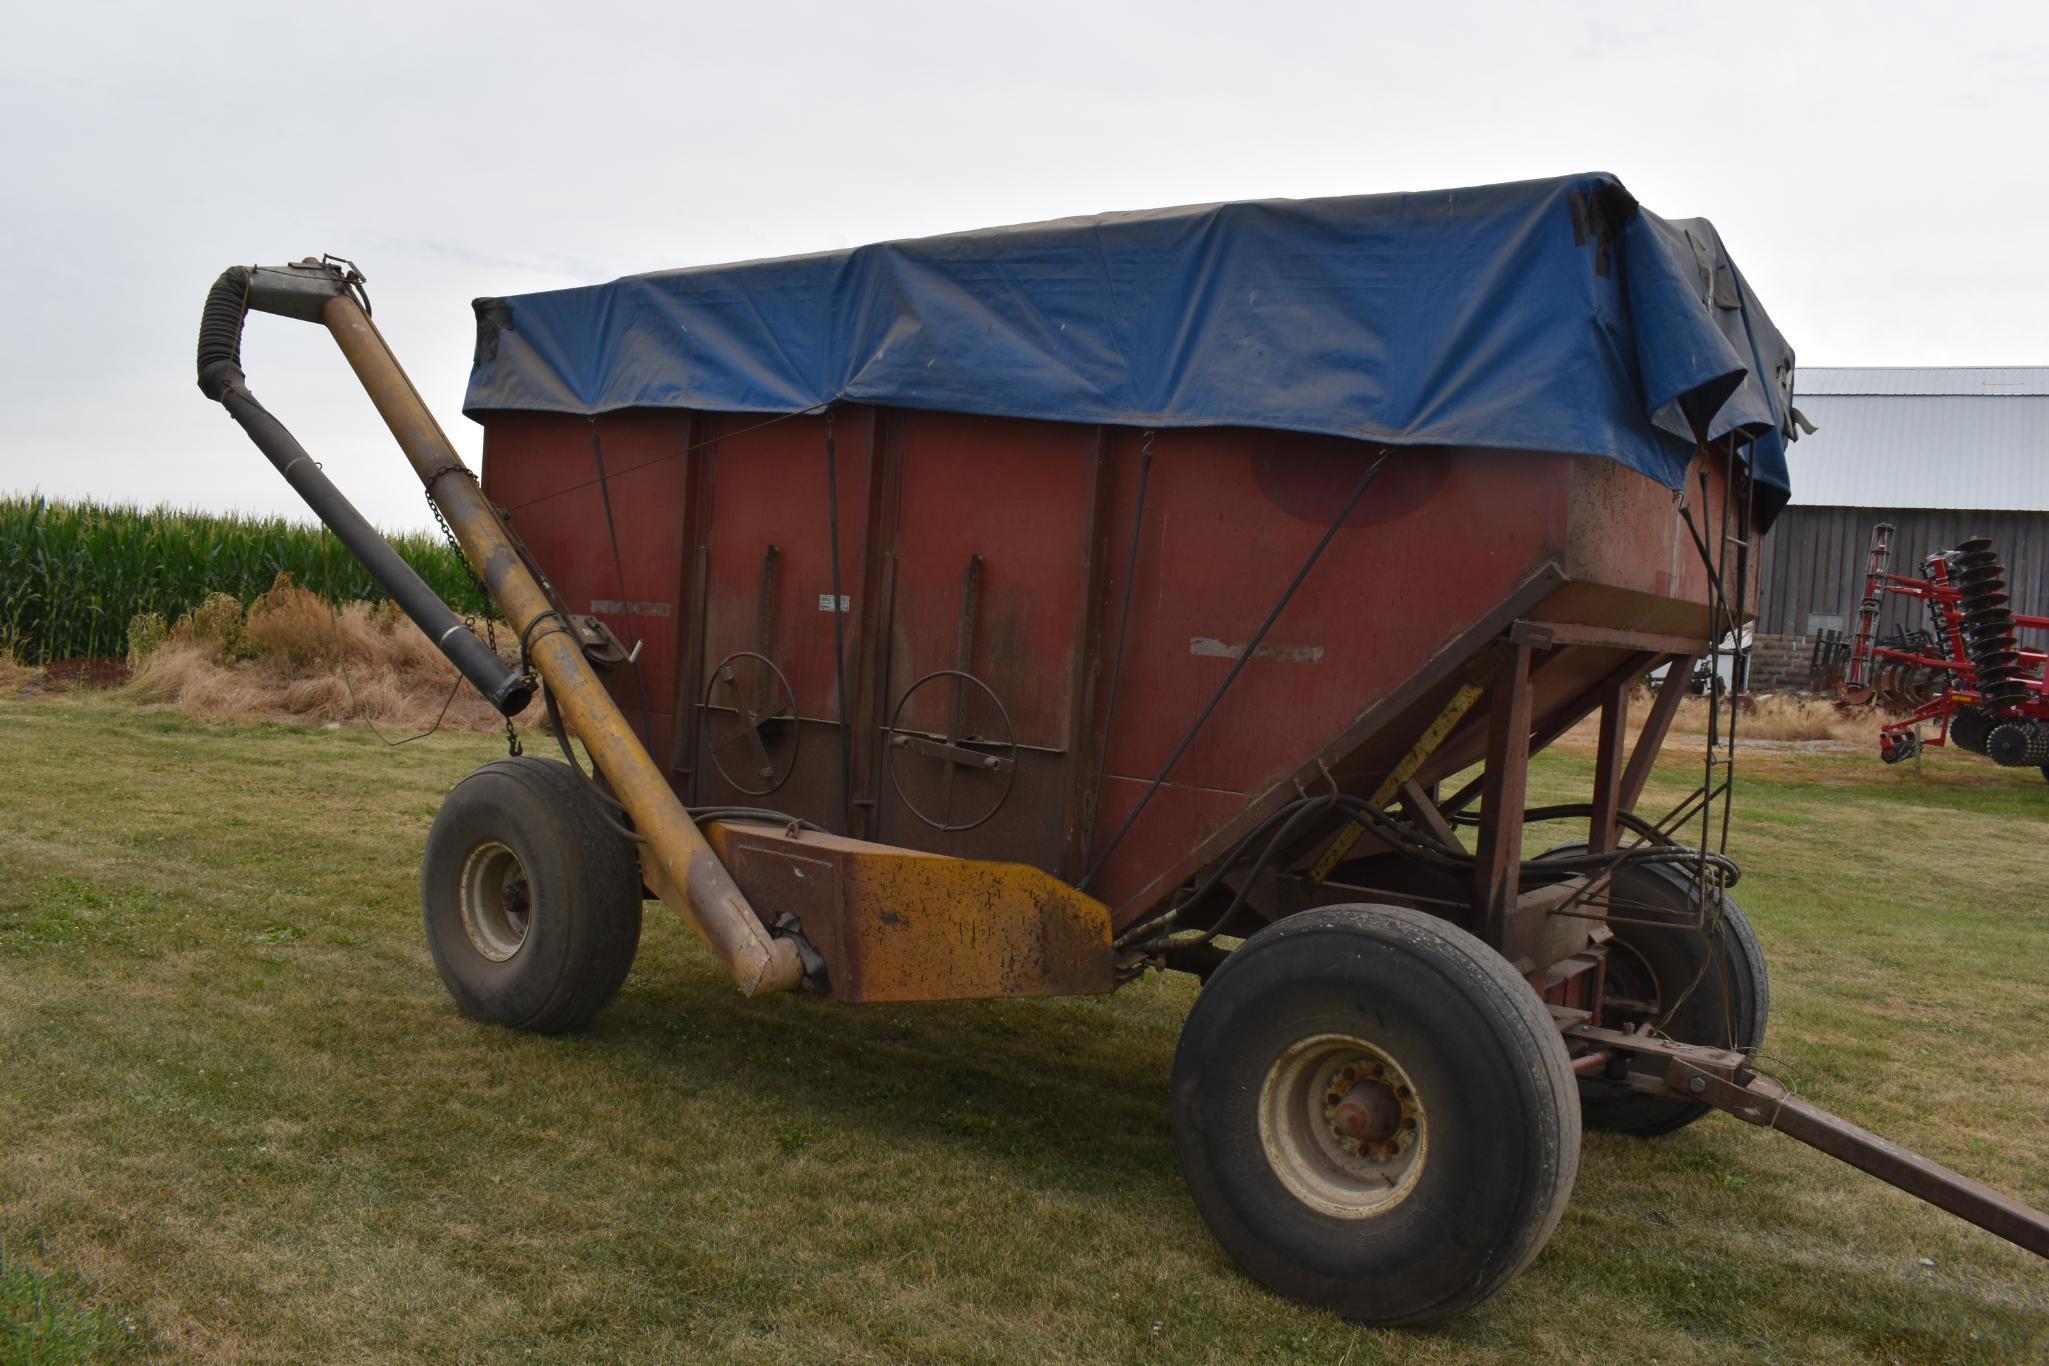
x: 497, y: 908
x: 1309, y: 1125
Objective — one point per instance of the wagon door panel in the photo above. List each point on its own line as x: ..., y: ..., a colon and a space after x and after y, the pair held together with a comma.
x: 766, y: 697
x: 991, y: 569
x: 556, y: 475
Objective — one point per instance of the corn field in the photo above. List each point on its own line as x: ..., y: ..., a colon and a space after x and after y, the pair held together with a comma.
x: 72, y: 574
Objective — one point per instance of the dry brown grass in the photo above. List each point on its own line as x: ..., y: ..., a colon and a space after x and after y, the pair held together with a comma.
x: 1783, y: 716
x: 294, y: 657
x: 19, y: 680
x: 1777, y: 717
x: 14, y: 675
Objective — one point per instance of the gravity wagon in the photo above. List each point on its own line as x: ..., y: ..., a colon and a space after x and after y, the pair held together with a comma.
x: 1015, y: 612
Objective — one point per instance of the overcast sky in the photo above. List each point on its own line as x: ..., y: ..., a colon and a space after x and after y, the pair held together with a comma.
x: 1876, y: 169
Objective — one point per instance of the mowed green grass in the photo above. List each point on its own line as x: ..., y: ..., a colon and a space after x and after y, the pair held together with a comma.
x: 238, y: 1112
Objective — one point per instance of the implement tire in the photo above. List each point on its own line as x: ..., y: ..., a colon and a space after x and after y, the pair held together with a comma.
x: 531, y: 898
x: 1720, y: 972
x: 1375, y: 1114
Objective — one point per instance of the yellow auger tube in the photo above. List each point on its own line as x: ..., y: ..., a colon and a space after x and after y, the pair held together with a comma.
x: 691, y: 879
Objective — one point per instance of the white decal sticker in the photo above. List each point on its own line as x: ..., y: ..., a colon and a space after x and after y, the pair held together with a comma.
x: 1206, y: 648
x: 611, y: 607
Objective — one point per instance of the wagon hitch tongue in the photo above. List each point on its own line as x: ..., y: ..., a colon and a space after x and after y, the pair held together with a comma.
x: 1724, y: 1079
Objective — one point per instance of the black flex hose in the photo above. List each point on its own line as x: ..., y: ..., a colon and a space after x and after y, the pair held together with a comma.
x: 220, y: 333
x: 1628, y: 820
x: 1278, y: 828
x: 221, y: 379
x: 1304, y: 814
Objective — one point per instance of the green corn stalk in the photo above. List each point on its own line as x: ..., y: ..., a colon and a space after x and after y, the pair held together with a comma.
x: 72, y: 575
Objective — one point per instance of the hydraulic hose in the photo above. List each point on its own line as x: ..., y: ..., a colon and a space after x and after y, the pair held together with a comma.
x: 300, y: 291
x: 1416, y: 845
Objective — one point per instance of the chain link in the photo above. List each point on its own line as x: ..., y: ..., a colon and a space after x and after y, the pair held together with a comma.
x: 512, y: 744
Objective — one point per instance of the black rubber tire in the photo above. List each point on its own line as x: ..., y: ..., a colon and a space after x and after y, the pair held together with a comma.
x: 1501, y: 1146
x: 582, y: 877
x: 1729, y: 1008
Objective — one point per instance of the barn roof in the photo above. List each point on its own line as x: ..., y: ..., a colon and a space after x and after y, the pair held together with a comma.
x: 1920, y: 437
x: 1925, y: 380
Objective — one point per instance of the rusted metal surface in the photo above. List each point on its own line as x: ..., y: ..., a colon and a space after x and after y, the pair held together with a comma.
x: 1613, y: 734
x: 1396, y: 716
x: 991, y: 527
x: 990, y: 755
x: 689, y: 668
x: 1343, y: 1126
x: 1563, y: 697
x: 1230, y: 517
x: 1643, y: 1060
x: 1656, y: 725
x: 1545, y: 635
x: 1765, y: 1102
x: 1418, y: 805
x: 637, y: 595
x: 1533, y: 937
x: 1502, y: 797
x: 895, y: 924
x: 1725, y: 1080
x: 690, y: 876
x: 1403, y: 773
x: 765, y: 519
x: 1086, y: 728
x: 1585, y: 561
x: 1368, y: 1114
x: 1633, y: 567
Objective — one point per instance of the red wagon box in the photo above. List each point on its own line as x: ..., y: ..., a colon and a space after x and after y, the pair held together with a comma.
x: 1015, y: 612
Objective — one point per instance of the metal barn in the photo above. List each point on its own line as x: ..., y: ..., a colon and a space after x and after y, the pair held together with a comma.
x: 1942, y: 454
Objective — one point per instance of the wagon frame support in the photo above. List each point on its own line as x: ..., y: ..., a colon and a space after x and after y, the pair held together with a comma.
x: 1620, y: 770
x: 901, y: 923
x: 1503, y: 793
x: 1725, y: 1080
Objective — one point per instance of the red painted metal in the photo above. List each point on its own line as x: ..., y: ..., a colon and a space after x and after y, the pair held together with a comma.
x: 1614, y: 734
x: 1499, y: 868
x: 1447, y: 552
x: 1942, y: 601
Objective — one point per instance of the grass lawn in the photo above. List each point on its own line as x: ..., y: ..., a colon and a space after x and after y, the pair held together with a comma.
x: 239, y: 1119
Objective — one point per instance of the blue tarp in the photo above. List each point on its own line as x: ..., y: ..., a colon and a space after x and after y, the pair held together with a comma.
x: 1547, y: 315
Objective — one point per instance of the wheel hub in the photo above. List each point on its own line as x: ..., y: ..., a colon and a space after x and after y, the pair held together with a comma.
x: 1343, y: 1126
x: 497, y: 907
x: 1369, y: 1117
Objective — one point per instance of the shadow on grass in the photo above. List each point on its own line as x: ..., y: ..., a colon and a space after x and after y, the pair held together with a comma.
x: 1073, y: 1091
